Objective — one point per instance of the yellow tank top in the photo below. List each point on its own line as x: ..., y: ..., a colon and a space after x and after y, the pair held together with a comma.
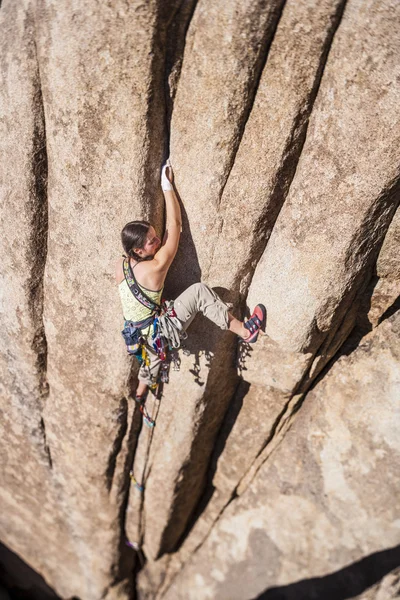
x: 133, y: 310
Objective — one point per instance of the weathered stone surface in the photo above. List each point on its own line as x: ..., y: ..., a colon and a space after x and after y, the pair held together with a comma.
x: 225, y: 49
x: 219, y: 37
x: 388, y: 263
x: 338, y: 208
x: 30, y: 518
x: 84, y: 93
x: 203, y: 199
x: 327, y: 497
x: 187, y: 422
x: 269, y: 363
x: 272, y: 140
x: 100, y: 66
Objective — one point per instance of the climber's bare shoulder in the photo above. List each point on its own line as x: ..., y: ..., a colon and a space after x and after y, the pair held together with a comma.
x: 119, y: 270
x: 149, y: 274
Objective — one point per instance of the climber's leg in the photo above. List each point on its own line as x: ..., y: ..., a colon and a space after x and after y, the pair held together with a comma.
x: 200, y: 298
x: 141, y: 388
x: 238, y: 327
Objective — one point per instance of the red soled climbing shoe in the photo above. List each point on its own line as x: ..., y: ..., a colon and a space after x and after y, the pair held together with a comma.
x: 255, y: 323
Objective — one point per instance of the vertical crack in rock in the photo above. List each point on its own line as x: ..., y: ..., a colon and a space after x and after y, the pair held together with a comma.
x: 183, y: 484
x: 122, y: 420
x: 252, y: 92
x: 37, y: 247
x: 176, y: 43
x: 291, y: 156
x: 125, y: 564
x: 390, y: 311
x: 330, y: 347
x: 187, y: 479
x: 167, y: 56
x: 46, y: 446
x: 284, y: 177
x: 145, y: 476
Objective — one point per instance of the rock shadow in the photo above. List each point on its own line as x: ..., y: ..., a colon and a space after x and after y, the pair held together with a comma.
x: 231, y: 415
x: 349, y: 582
x: 362, y: 326
x: 391, y: 310
x: 185, y: 270
x: 20, y: 580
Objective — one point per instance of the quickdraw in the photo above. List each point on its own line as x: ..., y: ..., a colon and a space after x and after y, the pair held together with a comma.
x: 135, y: 482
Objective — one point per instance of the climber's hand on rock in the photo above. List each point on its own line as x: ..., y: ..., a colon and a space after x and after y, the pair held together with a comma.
x: 167, y: 177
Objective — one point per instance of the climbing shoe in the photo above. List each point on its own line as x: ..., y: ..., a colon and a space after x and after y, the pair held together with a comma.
x: 255, y: 323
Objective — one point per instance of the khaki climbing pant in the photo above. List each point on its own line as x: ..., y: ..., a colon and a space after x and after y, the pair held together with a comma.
x: 197, y: 298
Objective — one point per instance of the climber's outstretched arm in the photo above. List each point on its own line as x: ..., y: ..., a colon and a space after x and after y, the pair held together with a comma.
x: 164, y: 257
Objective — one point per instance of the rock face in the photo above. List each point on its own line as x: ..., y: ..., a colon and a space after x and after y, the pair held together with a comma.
x: 282, y: 122
x: 328, y: 495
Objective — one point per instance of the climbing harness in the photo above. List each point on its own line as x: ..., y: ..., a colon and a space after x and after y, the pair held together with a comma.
x: 167, y: 328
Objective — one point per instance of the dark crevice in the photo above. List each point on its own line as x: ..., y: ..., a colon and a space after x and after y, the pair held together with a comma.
x: 125, y: 566
x: 122, y: 420
x: 352, y: 317
x: 168, y: 46
x: 164, y: 50
x: 274, y: 428
x: 145, y: 476
x: 191, y: 481
x: 176, y: 42
x: 270, y: 31
x: 46, y: 447
x: 20, y: 580
x: 290, y: 159
x: 390, y: 311
x: 348, y: 582
x: 37, y: 244
x: 284, y: 179
x: 241, y: 390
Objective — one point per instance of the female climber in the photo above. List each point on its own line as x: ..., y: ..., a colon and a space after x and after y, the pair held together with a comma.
x: 147, y: 260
